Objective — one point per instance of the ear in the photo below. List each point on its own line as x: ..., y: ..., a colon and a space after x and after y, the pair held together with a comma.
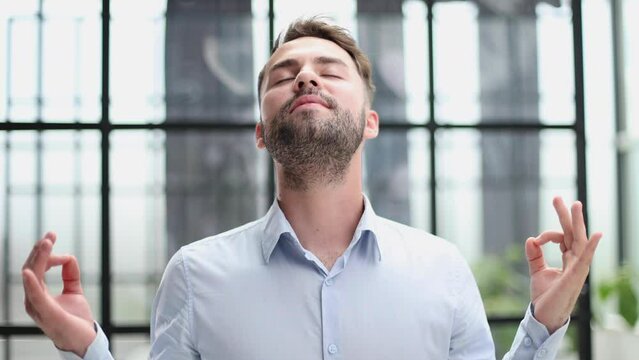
x: 259, y: 140
x: 371, y: 129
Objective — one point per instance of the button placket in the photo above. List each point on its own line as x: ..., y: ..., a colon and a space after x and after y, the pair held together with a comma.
x: 330, y: 319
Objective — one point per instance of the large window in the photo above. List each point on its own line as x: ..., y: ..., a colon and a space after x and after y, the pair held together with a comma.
x: 133, y: 137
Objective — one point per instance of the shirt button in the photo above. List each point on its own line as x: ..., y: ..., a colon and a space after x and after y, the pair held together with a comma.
x: 527, y: 341
x: 541, y: 353
x: 328, y: 282
x: 332, y: 349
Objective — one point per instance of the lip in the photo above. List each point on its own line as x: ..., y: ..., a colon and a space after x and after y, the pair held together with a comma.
x: 308, y: 99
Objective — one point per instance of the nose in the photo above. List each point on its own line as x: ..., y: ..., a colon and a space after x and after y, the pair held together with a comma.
x: 306, y: 79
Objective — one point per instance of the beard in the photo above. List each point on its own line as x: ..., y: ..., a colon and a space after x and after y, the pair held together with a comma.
x: 313, y: 150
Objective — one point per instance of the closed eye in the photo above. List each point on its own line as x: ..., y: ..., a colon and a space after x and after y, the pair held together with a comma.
x: 332, y: 76
x: 283, y: 80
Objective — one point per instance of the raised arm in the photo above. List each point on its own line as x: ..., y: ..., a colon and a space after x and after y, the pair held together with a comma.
x: 66, y: 318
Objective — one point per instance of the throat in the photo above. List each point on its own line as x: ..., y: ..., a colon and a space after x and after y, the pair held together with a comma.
x: 328, y: 255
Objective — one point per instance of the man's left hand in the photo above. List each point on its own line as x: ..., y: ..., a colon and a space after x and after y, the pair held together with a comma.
x: 554, y: 291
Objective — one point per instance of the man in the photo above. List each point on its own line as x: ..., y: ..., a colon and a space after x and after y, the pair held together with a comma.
x: 321, y: 276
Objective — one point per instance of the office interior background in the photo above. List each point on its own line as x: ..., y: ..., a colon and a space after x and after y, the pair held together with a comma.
x: 127, y: 128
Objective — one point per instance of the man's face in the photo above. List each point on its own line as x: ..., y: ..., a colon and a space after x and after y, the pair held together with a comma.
x: 314, y: 110
x: 311, y: 62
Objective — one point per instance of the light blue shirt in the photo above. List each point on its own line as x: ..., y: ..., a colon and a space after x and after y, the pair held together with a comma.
x: 255, y: 293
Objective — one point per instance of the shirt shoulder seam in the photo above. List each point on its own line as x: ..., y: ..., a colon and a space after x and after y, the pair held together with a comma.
x: 189, y: 297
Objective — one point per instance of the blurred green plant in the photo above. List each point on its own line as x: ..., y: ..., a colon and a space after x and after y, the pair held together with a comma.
x: 504, y: 286
x: 622, y: 288
x: 503, y: 282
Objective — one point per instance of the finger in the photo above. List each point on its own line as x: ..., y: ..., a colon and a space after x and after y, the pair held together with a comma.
x: 535, y: 256
x: 39, y: 305
x: 40, y: 259
x: 51, y: 236
x: 550, y: 236
x: 591, y: 246
x: 34, y: 292
x: 564, y: 220
x: 71, y: 276
x: 578, y: 227
x: 57, y: 260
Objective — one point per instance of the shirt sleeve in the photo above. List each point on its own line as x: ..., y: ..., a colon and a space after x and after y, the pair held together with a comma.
x: 533, y: 341
x: 172, y: 315
x: 98, y: 350
x: 470, y: 337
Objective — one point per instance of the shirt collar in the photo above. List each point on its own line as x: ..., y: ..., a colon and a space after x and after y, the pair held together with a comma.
x: 277, y: 226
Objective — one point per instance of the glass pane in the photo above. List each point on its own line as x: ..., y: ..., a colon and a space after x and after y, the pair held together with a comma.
x: 415, y: 31
x: 21, y: 65
x: 503, y: 62
x: 600, y: 133
x: 338, y: 11
x: 137, y: 82
x: 131, y: 347
x: 630, y: 40
x: 169, y: 189
x: 55, y: 188
x: 501, y: 185
x: 384, y: 32
x: 194, y: 61
x: 52, y: 67
x: 32, y: 348
x: 456, y: 57
x: 632, y: 205
x: 397, y: 176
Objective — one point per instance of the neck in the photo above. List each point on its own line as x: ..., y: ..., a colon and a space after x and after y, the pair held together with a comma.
x: 325, y: 215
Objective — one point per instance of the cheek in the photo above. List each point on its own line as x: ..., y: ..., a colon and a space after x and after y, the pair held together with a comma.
x: 271, y: 103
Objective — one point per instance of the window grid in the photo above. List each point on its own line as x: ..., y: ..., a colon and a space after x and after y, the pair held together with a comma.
x: 582, y: 319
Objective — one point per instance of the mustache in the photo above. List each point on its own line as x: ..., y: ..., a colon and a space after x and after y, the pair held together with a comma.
x: 332, y: 104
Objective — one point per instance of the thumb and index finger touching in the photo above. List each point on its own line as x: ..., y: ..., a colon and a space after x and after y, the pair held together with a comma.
x: 39, y: 261
x: 573, y: 237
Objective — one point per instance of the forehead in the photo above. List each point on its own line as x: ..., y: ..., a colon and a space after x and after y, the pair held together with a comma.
x: 307, y: 48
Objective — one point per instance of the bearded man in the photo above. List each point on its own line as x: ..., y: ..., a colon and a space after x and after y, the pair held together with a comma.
x: 321, y: 276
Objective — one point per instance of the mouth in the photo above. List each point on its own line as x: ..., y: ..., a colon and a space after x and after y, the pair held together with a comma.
x: 308, y: 101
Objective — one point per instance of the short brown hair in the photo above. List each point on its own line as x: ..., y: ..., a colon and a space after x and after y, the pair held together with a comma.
x: 315, y: 27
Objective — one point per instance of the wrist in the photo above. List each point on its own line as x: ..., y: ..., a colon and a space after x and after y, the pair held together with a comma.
x: 80, y: 343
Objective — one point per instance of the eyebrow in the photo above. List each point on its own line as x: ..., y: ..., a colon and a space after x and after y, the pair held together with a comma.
x: 321, y: 60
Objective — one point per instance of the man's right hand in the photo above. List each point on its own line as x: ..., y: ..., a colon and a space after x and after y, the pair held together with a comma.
x: 66, y: 319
